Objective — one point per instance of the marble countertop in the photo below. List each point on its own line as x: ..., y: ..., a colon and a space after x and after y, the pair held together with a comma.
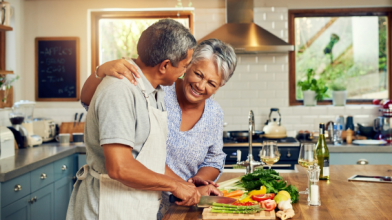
x: 28, y: 159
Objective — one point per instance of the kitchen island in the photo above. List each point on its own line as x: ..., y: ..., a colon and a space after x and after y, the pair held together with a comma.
x: 340, y: 199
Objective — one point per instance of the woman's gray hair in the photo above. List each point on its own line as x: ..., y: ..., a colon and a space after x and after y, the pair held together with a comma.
x: 221, y: 53
x: 166, y: 39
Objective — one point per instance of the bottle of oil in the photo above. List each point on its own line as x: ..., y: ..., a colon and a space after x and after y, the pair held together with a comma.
x: 323, y: 154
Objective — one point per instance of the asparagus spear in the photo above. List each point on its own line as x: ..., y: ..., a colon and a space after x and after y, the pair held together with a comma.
x: 234, y: 206
x: 235, y: 212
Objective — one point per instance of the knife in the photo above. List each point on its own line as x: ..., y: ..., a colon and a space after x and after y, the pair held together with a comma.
x: 76, y: 118
x: 206, y: 201
x: 80, y: 118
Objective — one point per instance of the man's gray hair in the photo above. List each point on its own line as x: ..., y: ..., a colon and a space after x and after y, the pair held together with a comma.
x: 221, y: 53
x: 166, y: 39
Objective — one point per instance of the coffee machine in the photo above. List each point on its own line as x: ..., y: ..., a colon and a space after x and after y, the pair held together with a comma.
x: 21, y: 119
x: 383, y: 124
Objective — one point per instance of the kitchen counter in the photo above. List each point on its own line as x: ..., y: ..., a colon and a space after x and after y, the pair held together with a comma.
x: 352, y: 148
x: 340, y: 199
x: 28, y: 159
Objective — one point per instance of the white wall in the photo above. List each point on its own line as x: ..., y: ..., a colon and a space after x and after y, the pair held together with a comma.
x: 260, y: 82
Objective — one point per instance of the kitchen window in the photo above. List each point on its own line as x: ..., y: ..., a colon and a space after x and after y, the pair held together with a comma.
x: 346, y: 48
x: 114, y: 34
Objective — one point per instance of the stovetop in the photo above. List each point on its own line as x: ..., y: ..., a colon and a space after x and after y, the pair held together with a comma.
x: 287, y: 141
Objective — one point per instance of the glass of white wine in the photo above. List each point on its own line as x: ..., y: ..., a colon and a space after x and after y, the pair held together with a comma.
x: 269, y: 153
x: 307, y: 157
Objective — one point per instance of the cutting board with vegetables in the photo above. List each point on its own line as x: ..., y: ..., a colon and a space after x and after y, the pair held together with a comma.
x: 260, y: 215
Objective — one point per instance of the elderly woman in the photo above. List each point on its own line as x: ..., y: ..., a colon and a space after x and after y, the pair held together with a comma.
x: 195, y: 120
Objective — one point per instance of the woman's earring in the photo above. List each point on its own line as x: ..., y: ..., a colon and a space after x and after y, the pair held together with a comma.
x: 213, y: 96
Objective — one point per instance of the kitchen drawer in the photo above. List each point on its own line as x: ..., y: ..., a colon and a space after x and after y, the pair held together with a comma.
x: 42, y: 177
x: 63, y: 168
x: 10, y: 190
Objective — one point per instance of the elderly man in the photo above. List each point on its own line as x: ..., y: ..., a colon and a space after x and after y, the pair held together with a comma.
x: 125, y: 135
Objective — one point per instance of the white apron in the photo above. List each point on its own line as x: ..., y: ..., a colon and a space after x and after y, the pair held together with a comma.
x: 118, y: 201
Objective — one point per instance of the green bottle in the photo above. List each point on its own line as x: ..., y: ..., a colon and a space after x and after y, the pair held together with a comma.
x: 323, y: 154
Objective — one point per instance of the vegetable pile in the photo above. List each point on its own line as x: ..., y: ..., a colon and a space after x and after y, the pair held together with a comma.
x: 236, y: 209
x: 271, y: 180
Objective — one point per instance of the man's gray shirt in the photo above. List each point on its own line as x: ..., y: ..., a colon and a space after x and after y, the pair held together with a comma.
x: 117, y: 114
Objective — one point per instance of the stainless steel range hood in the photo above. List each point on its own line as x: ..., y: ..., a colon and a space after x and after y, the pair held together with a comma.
x: 244, y: 35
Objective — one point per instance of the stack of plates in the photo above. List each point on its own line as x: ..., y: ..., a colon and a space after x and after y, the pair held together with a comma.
x: 369, y: 142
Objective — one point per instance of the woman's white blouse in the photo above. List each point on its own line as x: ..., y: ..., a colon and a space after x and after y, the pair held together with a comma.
x: 199, y: 147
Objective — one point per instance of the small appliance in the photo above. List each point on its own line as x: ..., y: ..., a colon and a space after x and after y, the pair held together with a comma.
x: 7, y: 148
x: 25, y: 109
x: 274, y: 129
x: 45, y: 128
x: 383, y: 124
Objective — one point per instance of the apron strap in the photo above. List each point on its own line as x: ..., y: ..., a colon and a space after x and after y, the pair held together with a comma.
x: 84, y: 171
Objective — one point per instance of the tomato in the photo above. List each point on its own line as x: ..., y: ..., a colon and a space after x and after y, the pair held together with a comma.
x: 268, y: 205
x: 376, y: 101
x: 263, y: 197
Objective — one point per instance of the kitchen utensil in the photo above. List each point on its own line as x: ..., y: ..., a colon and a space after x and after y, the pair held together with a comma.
x: 366, y: 131
x: 260, y: 215
x: 77, y: 138
x: 274, y: 128
x: 7, y: 148
x: 63, y: 139
x: 363, y: 178
x: 26, y: 108
x: 369, y: 142
x: 383, y: 127
x: 76, y: 118
x: 350, y: 123
x: 80, y: 118
x: 243, y: 135
x: 45, y: 128
x: 206, y: 201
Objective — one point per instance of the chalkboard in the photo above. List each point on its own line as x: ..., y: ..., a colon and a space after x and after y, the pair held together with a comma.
x: 57, y: 69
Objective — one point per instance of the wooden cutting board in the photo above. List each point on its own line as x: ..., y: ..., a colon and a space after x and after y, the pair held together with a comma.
x: 261, y: 215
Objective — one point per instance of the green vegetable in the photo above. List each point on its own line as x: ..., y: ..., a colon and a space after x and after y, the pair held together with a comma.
x: 228, y: 206
x: 235, y: 212
x: 271, y: 180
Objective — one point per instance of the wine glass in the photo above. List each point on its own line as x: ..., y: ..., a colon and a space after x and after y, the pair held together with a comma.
x: 307, y: 156
x: 269, y: 154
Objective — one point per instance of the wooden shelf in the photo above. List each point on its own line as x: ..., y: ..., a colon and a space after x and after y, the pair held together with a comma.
x: 2, y: 72
x: 5, y: 28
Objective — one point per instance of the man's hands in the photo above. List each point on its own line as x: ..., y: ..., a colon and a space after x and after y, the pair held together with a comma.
x: 198, y: 181
x: 119, y: 69
x: 209, y: 190
x: 187, y: 192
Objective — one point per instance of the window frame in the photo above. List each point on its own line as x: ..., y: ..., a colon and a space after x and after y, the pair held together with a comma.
x: 97, y: 15
x: 342, y: 12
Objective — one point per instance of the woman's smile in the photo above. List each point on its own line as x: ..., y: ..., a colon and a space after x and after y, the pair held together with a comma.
x: 194, y: 92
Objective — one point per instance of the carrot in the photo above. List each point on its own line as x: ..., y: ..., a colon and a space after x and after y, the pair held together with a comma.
x: 234, y: 193
x: 224, y: 191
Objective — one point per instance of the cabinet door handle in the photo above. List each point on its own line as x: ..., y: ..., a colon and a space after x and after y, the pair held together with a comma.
x: 31, y: 201
x: 17, y: 188
x: 288, y: 153
x: 35, y: 199
x: 43, y: 176
x: 64, y: 167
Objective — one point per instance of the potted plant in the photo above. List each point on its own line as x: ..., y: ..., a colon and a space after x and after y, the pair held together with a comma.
x: 339, y: 93
x: 312, y: 90
x: 5, y: 85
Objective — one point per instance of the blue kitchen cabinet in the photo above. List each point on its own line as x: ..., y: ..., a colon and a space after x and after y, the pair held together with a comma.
x: 19, y: 210
x: 82, y: 160
x: 42, y: 194
x: 42, y: 207
x: 352, y: 158
x: 62, y: 194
